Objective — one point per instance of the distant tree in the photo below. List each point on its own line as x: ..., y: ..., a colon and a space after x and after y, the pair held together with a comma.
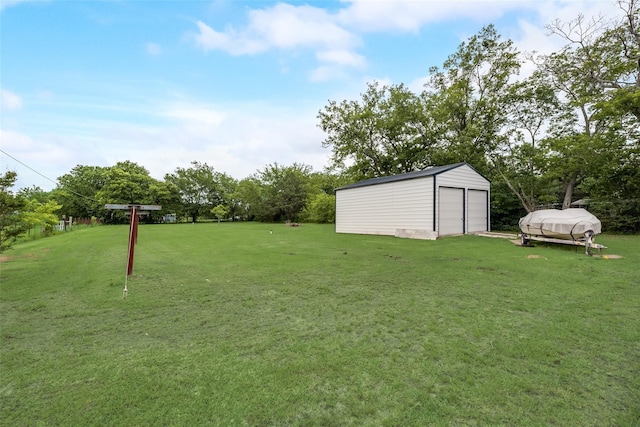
x: 76, y: 191
x: 43, y: 215
x: 321, y: 208
x: 12, y: 206
x: 227, y: 186
x: 126, y: 182
x: 35, y: 193
x: 166, y: 195
x: 220, y: 211
x: 248, y: 198
x: 283, y: 191
x: 199, y: 188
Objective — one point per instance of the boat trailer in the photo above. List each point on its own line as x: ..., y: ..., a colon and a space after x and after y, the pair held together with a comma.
x: 575, y: 226
x: 587, y: 241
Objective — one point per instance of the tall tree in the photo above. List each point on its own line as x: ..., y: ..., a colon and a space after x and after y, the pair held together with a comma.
x: 199, y: 187
x: 530, y: 105
x: 77, y: 190
x: 467, y: 97
x: 596, y: 76
x: 248, y: 198
x: 379, y: 135
x: 12, y: 207
x: 126, y: 182
x: 284, y: 191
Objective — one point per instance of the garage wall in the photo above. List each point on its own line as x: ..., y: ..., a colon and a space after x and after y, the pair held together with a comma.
x: 475, y: 212
x: 386, y: 208
x: 463, y: 177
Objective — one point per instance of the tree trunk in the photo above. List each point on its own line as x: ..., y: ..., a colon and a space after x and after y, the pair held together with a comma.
x: 529, y: 205
x: 568, y: 194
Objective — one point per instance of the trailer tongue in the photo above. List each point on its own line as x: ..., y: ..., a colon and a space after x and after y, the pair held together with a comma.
x: 569, y: 226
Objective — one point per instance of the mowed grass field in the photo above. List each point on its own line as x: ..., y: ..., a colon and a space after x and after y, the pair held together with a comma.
x: 231, y: 325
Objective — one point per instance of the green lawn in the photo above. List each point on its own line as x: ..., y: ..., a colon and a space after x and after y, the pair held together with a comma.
x: 231, y: 325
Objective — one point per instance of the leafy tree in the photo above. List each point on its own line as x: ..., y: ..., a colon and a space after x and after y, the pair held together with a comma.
x: 616, y: 199
x: 522, y: 163
x: 220, y: 211
x: 227, y: 191
x: 248, y: 198
x: 35, y: 193
x: 77, y: 190
x: 380, y: 135
x: 283, y: 193
x: 12, y: 223
x: 199, y: 187
x: 166, y: 195
x: 43, y: 215
x: 467, y: 96
x: 321, y: 208
x: 596, y: 77
x: 608, y: 57
x: 126, y: 182
x: 326, y: 182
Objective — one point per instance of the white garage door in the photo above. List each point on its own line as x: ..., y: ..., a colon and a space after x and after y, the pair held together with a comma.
x: 451, y: 211
x: 477, y: 212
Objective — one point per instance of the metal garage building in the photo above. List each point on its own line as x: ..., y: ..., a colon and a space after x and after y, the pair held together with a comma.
x: 438, y: 201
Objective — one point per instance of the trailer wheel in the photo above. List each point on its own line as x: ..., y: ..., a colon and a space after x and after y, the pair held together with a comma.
x: 523, y: 240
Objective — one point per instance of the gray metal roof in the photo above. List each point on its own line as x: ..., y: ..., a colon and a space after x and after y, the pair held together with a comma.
x: 405, y: 176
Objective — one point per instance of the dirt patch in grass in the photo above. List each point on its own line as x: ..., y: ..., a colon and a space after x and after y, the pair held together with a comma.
x: 6, y: 258
x: 535, y: 256
x: 612, y: 256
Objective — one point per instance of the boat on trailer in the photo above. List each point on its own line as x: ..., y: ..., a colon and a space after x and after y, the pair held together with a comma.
x: 575, y: 226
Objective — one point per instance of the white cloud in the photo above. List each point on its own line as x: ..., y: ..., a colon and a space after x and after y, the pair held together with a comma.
x: 230, y: 41
x: 410, y: 16
x: 341, y: 57
x: 282, y: 26
x: 190, y: 114
x: 287, y: 27
x: 41, y: 160
x: 235, y: 139
x: 154, y: 49
x: 325, y: 73
x: 6, y: 3
x: 9, y: 100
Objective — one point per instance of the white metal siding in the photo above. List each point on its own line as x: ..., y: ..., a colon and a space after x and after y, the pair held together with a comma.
x: 467, y: 178
x: 463, y: 177
x: 385, y: 208
x: 477, y: 210
x: 406, y: 208
x: 451, y: 211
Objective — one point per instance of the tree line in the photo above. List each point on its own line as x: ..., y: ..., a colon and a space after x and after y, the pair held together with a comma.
x: 568, y: 130
x: 277, y: 193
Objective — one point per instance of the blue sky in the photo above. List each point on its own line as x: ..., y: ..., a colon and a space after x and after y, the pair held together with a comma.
x: 235, y: 84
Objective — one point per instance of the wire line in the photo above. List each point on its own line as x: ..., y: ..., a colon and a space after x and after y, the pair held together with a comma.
x: 47, y: 178
x: 27, y: 166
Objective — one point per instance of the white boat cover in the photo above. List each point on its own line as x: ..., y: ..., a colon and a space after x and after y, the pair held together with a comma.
x: 562, y: 224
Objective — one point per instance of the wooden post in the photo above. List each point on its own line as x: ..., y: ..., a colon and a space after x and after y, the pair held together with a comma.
x: 133, y: 233
x: 134, y: 210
